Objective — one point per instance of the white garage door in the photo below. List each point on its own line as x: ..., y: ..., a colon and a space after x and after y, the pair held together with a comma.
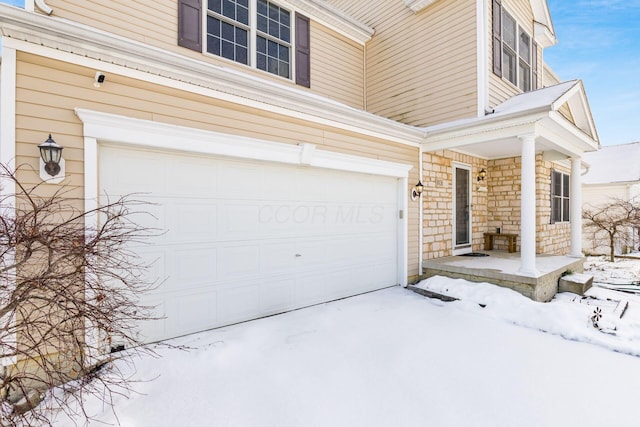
x: 247, y: 239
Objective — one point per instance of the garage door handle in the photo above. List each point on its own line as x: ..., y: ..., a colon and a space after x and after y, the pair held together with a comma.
x: 298, y: 255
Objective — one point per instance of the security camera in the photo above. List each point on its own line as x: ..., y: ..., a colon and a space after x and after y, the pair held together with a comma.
x: 99, y: 78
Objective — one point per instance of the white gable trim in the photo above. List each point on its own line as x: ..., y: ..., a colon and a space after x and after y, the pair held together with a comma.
x: 576, y: 98
x: 418, y: 5
x: 543, y: 33
x: 335, y: 19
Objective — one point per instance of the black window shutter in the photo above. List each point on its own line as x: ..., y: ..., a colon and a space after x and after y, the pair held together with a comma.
x: 190, y: 24
x: 534, y: 67
x: 497, y: 40
x: 303, y: 51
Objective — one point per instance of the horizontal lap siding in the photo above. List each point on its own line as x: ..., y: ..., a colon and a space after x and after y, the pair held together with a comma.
x: 421, y: 68
x: 337, y: 66
x: 48, y: 91
x: 335, y: 73
x: 501, y: 89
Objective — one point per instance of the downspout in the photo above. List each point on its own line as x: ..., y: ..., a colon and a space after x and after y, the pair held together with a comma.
x: 420, y: 216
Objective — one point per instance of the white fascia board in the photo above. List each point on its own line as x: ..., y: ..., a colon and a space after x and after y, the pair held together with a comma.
x: 543, y: 35
x: 82, y: 45
x: 335, y: 19
x: 499, y: 127
x: 418, y: 5
x: 105, y: 127
x: 569, y: 134
x: 576, y: 97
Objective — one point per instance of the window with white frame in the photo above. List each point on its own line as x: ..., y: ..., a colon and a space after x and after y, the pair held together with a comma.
x: 560, y: 197
x: 251, y: 32
x: 514, y: 52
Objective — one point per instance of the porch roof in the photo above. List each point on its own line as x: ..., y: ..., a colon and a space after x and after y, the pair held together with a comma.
x: 558, y: 116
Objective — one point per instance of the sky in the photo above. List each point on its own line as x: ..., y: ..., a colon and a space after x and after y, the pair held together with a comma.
x: 598, y: 43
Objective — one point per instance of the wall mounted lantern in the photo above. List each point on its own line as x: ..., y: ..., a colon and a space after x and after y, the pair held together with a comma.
x: 416, y: 191
x: 52, y: 163
x: 482, y: 175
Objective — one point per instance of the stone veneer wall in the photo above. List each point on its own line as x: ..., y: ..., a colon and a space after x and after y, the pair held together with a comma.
x: 437, y: 172
x: 503, y: 204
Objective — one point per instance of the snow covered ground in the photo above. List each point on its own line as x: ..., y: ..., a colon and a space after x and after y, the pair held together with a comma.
x: 395, y: 358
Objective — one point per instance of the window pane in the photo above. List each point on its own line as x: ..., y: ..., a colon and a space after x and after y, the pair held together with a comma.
x: 227, y: 50
x: 524, y: 82
x: 241, y: 37
x: 274, y: 12
x: 565, y: 209
x: 509, y: 65
x: 525, y: 47
x: 242, y: 55
x: 215, y: 5
x: 283, y: 69
x: 243, y: 15
x: 213, y: 45
x: 262, y: 24
x: 273, y: 49
x: 262, y: 62
x: 565, y: 185
x: 261, y: 45
x: 508, y: 30
x: 262, y: 7
x: 213, y: 26
x: 556, y: 209
x: 272, y: 65
x: 283, y: 53
x: 229, y: 9
x: 557, y: 184
x: 228, y: 31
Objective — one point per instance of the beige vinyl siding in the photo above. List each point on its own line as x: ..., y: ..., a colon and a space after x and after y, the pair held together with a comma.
x: 337, y: 66
x: 421, y: 68
x: 550, y: 78
x: 566, y: 112
x: 338, y: 77
x: 48, y: 91
x: 500, y: 89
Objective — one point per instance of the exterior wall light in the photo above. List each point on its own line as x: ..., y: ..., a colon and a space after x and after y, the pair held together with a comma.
x: 416, y: 191
x: 482, y: 175
x: 52, y: 162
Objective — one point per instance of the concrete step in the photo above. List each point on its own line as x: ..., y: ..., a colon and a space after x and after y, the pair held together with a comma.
x: 577, y: 283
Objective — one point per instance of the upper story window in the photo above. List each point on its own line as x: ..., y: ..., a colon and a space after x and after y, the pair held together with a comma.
x: 514, y: 53
x: 560, y: 201
x: 257, y: 33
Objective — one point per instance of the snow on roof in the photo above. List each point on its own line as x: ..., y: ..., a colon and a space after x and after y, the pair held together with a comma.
x: 613, y: 163
x: 527, y: 102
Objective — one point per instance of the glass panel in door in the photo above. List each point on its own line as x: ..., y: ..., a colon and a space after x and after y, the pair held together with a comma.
x: 463, y: 207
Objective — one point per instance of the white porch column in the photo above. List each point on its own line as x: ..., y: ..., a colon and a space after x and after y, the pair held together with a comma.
x: 575, y: 211
x: 528, y: 207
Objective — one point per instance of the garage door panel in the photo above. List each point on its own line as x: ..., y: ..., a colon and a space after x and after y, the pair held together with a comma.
x: 239, y: 261
x: 233, y: 230
x: 193, y: 266
x: 277, y: 295
x: 239, y: 220
x: 239, y: 303
x: 276, y: 257
x: 198, y: 176
x: 124, y: 170
x: 191, y: 312
x: 191, y: 221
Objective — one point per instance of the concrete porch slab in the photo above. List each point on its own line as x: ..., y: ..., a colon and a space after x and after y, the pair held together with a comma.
x: 501, y: 268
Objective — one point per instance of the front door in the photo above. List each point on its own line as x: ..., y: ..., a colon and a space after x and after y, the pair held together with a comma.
x: 461, y: 209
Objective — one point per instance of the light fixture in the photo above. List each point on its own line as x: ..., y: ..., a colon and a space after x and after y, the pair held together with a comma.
x: 51, y: 154
x: 482, y: 175
x: 416, y: 191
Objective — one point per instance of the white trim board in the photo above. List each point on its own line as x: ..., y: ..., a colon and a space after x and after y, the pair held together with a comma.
x: 127, y: 130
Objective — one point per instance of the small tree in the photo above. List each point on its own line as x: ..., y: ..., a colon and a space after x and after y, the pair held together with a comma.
x: 69, y: 282
x: 617, y: 220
